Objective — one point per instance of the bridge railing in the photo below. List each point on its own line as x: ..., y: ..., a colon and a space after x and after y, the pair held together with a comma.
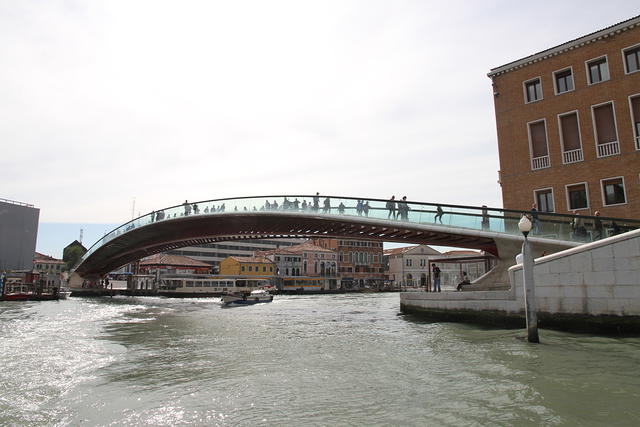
x: 548, y: 225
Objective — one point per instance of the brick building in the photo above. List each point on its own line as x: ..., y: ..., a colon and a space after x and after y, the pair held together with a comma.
x: 568, y: 124
x: 360, y: 262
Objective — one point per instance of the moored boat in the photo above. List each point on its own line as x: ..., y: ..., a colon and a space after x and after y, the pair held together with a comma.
x: 255, y: 297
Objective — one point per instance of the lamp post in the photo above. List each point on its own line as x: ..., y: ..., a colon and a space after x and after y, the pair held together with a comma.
x: 529, y: 285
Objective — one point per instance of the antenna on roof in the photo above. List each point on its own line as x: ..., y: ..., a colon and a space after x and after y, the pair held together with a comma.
x: 80, y: 239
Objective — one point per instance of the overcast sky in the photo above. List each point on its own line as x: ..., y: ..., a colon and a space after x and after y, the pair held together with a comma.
x: 104, y: 101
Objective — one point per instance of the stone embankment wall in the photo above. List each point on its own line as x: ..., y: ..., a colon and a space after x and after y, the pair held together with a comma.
x: 594, y: 286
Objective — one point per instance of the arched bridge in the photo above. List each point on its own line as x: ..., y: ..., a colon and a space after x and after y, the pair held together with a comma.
x: 489, y: 229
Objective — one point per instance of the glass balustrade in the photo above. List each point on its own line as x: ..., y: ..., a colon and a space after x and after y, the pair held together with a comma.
x: 546, y: 225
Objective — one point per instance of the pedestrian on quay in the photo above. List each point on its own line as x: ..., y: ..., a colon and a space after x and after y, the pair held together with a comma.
x: 465, y: 282
x: 391, y: 206
x: 436, y: 278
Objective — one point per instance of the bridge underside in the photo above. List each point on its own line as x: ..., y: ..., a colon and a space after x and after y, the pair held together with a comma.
x: 198, y: 230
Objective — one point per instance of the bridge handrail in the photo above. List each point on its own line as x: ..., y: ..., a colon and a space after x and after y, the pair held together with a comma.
x: 483, y: 212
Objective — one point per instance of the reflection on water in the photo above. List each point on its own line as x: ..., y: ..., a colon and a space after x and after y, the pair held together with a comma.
x: 317, y: 360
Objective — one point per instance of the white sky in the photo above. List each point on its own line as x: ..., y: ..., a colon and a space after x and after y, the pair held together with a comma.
x: 104, y: 101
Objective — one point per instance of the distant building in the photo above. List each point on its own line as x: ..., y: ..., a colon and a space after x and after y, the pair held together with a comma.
x: 18, y: 235
x: 305, y: 259
x: 51, y: 269
x: 409, y: 266
x: 172, y: 264
x: 214, y: 253
x: 247, y: 266
x: 360, y: 262
x: 568, y: 124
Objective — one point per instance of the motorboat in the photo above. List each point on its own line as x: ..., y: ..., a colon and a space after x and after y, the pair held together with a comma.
x: 63, y: 293
x: 255, y: 297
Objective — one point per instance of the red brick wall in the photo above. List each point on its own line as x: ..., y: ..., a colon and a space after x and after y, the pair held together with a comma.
x: 512, y: 115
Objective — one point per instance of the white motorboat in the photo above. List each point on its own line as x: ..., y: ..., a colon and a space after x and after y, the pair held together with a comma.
x: 255, y: 297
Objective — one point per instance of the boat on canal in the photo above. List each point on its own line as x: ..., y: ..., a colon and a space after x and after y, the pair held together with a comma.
x: 255, y: 297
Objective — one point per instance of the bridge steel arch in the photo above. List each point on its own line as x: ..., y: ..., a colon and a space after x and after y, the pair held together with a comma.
x: 493, y: 230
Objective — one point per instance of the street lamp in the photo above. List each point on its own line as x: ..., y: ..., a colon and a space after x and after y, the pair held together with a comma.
x: 525, y: 225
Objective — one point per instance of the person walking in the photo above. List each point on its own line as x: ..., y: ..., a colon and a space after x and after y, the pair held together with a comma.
x: 534, y: 219
x: 439, y: 213
x: 366, y: 208
x: 597, y: 226
x: 327, y: 206
x: 436, y: 278
x: 187, y: 208
x: 391, y: 206
x: 316, y: 202
x: 485, y: 218
x: 403, y: 209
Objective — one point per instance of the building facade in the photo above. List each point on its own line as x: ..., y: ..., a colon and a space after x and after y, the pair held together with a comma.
x: 568, y: 125
x: 247, y: 266
x: 409, y: 266
x: 18, y: 235
x: 360, y: 262
x: 51, y: 269
x: 214, y: 253
x: 305, y: 259
x: 172, y: 264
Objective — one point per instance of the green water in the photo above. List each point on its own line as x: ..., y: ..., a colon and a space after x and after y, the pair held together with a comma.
x: 299, y: 361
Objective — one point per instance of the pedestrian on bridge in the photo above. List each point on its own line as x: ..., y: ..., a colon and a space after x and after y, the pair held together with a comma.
x: 391, y: 206
x: 327, y: 206
x: 187, y: 208
x: 534, y: 219
x: 439, y: 213
x: 316, y: 202
x: 597, y: 226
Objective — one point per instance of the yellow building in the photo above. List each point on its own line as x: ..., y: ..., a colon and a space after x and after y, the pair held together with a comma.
x: 247, y: 266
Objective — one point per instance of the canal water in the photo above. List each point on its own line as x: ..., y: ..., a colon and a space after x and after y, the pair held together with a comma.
x: 348, y: 360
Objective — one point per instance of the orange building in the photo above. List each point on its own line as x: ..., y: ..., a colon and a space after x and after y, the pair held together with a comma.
x: 247, y: 266
x: 568, y: 124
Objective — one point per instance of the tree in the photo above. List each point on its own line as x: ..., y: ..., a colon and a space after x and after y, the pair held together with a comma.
x: 71, y: 256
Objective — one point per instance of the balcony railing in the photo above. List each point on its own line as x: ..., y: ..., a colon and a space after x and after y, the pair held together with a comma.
x: 608, y: 149
x: 572, y: 156
x: 540, y: 162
